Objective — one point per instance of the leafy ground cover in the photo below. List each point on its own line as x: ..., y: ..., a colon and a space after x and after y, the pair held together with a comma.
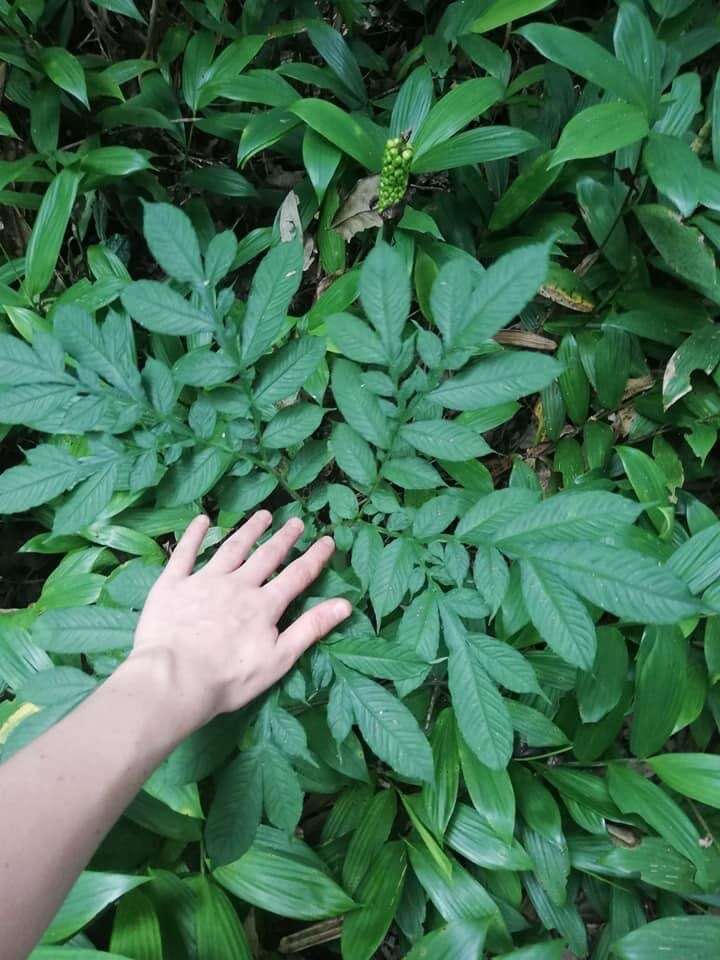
x: 439, y: 279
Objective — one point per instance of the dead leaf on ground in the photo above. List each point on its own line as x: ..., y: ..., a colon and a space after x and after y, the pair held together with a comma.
x: 357, y: 213
x: 289, y: 221
x: 525, y: 338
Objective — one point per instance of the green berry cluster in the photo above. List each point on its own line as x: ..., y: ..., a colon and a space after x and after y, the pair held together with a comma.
x: 394, y: 173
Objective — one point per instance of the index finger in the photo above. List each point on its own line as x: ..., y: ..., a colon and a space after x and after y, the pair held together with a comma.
x: 299, y: 574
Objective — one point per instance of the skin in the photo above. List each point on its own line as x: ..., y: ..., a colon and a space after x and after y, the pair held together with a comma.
x: 206, y: 643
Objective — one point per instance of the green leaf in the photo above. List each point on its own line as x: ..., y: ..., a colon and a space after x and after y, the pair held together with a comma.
x: 695, y: 775
x: 684, y: 937
x: 173, y: 242
x: 480, y: 710
x: 391, y: 577
x: 470, y: 835
x: 385, y: 296
x: 659, y: 687
x: 65, y: 71
x: 454, y: 111
x: 52, y: 472
x: 339, y: 57
x: 275, y: 282
x: 85, y: 630
x: 356, y: 339
x: 6, y: 127
x: 559, y: 617
x: 368, y: 838
x: 480, y: 145
x: 674, y: 169
x: 571, y: 516
x: 503, y: 376
x: 48, y: 231
x: 88, y: 500
x: 528, y: 187
x: 375, y: 657
x: 92, y: 892
x: 622, y: 582
x: 500, y: 12
x: 682, y: 248
x: 292, y: 425
x: 220, y: 933
x: 287, y: 370
x: 353, y: 455
x: 412, y: 104
x: 505, y: 289
x: 457, y: 940
x: 582, y: 55
x: 282, y: 875
x: 650, y: 486
x: 321, y: 160
x: 195, y: 474
x: 125, y: 8
x: 446, y: 439
x: 364, y: 929
x: 388, y: 727
x: 491, y: 793
x: 359, y: 407
x: 136, y: 928
x: 160, y: 309
x: 236, y: 809
x: 598, y: 130
x: 600, y: 687
x: 634, y: 793
x: 459, y: 896
x: 344, y: 130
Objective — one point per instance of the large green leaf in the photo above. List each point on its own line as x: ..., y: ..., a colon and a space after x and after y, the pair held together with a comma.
x: 695, y: 775
x: 48, y: 231
x: 480, y: 145
x: 601, y: 129
x: 92, y: 892
x: 559, y: 617
x: 273, y: 287
x: 503, y: 376
x: 379, y: 893
x: 85, y: 629
x: 454, y: 111
x: 282, y: 875
x: 157, y: 307
x: 685, y: 938
x: 173, y: 242
x: 359, y: 407
x: 621, y: 581
x: 457, y: 940
x: 388, y: 727
x: 579, y: 53
x: 363, y: 143
x: 480, y: 710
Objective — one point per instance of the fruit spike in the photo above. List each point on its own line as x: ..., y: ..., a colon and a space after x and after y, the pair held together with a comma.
x: 394, y: 173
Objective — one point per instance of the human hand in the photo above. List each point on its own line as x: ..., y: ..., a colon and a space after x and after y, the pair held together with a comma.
x: 213, y: 634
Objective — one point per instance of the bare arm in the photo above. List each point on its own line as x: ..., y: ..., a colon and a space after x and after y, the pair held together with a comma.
x: 206, y: 643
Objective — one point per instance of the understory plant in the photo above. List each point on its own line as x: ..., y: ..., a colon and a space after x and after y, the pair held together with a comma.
x: 457, y: 310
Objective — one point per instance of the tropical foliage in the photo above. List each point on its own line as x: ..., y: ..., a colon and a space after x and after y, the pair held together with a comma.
x: 441, y: 280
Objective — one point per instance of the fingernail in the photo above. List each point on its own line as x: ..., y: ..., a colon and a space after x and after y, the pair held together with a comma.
x: 296, y: 524
x: 328, y: 541
x: 264, y: 515
x: 343, y: 609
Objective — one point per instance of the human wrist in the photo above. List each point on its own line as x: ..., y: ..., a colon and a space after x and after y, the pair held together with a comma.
x: 153, y: 678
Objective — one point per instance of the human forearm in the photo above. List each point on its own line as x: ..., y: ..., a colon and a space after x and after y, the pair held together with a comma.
x: 62, y: 795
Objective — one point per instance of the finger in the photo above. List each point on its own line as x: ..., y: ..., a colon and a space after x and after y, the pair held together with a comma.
x: 311, y: 627
x: 299, y: 574
x: 235, y: 549
x: 182, y: 559
x: 268, y: 557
